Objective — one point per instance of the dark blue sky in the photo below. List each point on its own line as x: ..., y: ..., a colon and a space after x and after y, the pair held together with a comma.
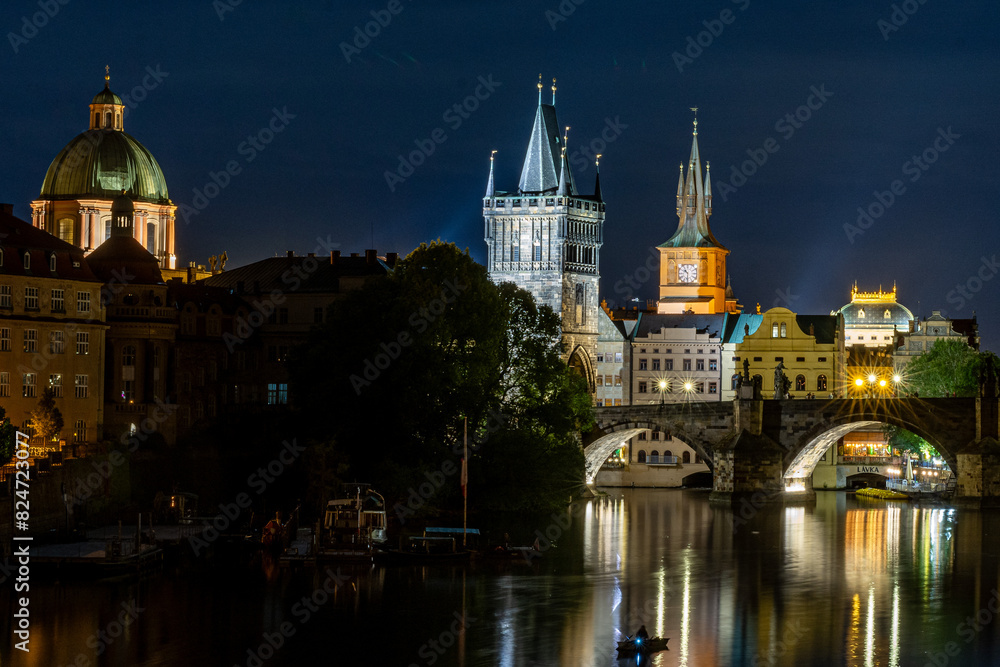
x: 891, y: 95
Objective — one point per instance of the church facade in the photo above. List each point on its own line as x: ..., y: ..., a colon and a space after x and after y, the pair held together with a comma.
x: 545, y: 237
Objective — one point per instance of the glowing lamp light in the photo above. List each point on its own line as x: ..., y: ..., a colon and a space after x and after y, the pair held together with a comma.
x: 663, y: 385
x: 896, y: 378
x: 859, y: 382
x: 795, y: 487
x: 688, y: 386
x: 872, y: 378
x: 881, y: 383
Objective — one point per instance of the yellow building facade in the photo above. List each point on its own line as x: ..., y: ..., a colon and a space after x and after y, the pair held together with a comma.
x: 52, y: 332
x: 809, y: 347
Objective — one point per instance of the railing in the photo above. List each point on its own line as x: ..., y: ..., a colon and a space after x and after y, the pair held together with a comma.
x: 915, y: 487
x: 661, y: 460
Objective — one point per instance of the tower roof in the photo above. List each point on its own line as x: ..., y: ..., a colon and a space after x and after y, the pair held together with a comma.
x: 693, y: 205
x: 541, y: 163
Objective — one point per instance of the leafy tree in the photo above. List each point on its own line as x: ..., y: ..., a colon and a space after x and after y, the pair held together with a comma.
x: 8, y: 438
x: 907, y: 441
x: 46, y: 418
x: 402, y: 362
x: 950, y: 366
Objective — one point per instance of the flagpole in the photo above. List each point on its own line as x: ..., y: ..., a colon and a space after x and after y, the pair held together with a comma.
x: 465, y: 482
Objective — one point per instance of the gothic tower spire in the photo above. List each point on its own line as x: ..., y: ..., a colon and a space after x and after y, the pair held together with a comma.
x: 489, y: 184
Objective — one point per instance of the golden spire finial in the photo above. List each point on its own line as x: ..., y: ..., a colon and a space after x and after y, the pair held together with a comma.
x: 597, y: 162
x: 107, y: 75
x: 566, y: 137
x: 553, y: 91
x: 492, y: 153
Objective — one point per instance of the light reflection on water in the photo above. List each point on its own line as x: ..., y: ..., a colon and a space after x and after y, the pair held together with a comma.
x: 843, y: 582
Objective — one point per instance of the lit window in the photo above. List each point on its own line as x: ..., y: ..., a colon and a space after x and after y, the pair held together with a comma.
x: 28, y: 385
x: 784, y: 330
x: 774, y: 330
x: 82, y: 342
x: 80, y: 433
x: 30, y: 340
x: 55, y: 384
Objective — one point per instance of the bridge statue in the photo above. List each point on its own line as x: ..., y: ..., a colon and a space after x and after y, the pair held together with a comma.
x: 781, y: 382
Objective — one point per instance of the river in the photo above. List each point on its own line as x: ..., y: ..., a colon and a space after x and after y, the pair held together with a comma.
x: 846, y: 581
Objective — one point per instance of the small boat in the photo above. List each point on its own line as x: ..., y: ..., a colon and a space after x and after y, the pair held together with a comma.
x: 638, y: 646
x: 436, y: 544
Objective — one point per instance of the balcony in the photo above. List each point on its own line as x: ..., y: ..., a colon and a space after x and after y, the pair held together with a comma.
x: 661, y: 460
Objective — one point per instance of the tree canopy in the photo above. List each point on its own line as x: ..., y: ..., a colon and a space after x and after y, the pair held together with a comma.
x: 46, y: 419
x: 401, y: 363
x: 949, y: 367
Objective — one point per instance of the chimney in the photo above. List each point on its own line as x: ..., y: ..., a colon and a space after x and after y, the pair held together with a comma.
x: 334, y: 257
x: 291, y: 253
x: 370, y: 257
x: 390, y: 258
x: 354, y: 254
x: 311, y: 254
x: 7, y: 209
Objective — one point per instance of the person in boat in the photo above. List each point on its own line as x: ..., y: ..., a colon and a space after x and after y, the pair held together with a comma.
x: 641, y: 633
x: 272, y: 532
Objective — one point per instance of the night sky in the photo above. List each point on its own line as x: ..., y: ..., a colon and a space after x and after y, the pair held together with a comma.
x: 889, y: 91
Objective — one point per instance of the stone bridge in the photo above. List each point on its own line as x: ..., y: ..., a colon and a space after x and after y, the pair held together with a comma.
x: 772, y: 447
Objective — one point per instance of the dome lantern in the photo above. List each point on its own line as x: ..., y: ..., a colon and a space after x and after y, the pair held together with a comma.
x: 107, y: 109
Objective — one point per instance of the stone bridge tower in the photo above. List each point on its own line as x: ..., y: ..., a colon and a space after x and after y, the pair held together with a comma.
x: 546, y: 237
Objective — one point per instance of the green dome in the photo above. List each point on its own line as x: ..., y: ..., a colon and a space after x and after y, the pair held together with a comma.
x: 106, y: 97
x: 102, y: 163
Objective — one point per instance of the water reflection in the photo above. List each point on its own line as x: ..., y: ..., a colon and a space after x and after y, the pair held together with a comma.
x: 843, y: 582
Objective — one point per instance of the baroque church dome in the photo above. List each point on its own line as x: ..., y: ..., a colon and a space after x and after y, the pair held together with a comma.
x: 104, y: 160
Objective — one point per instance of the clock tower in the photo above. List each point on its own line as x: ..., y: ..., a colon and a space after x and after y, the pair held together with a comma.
x: 692, y: 261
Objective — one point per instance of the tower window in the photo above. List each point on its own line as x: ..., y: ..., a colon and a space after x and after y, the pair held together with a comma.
x: 538, y: 252
x: 515, y: 252
x: 66, y: 230
x: 151, y: 237
x: 774, y: 330
x: 107, y: 120
x: 784, y: 330
x: 118, y: 121
x: 97, y: 120
x: 27, y: 260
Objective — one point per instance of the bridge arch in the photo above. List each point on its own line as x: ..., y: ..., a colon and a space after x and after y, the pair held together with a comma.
x: 617, y: 434
x: 809, y: 447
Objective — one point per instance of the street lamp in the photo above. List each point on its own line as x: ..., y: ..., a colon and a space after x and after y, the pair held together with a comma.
x: 663, y: 388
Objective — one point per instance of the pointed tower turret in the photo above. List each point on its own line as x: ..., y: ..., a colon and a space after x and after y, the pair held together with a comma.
x: 566, y: 185
x: 490, y: 190
x: 541, y: 163
x: 694, y: 262
x: 597, y: 179
x: 546, y: 237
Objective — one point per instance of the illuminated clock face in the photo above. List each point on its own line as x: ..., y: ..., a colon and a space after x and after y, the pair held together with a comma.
x: 688, y: 273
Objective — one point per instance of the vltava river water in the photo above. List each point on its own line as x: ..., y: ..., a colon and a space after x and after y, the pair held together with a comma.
x: 845, y: 582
